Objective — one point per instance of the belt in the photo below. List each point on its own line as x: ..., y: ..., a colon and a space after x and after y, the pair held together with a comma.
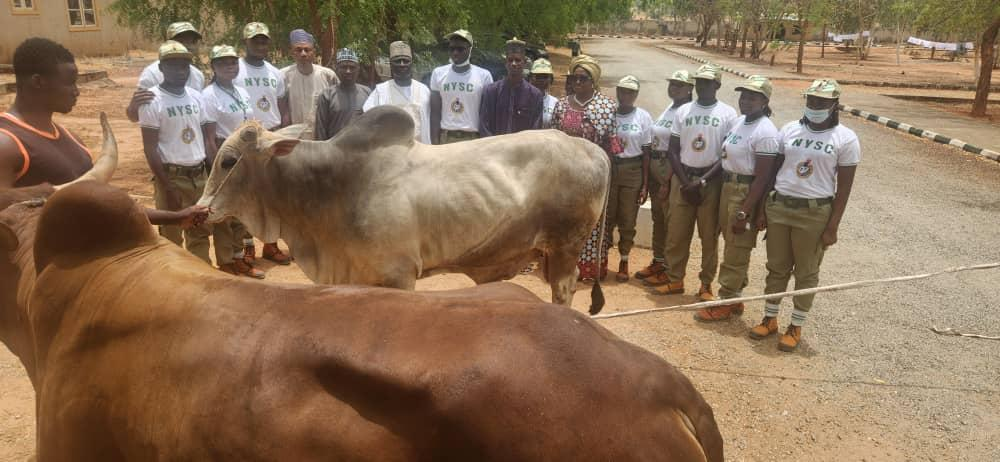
x: 736, y: 177
x: 185, y: 170
x: 460, y: 132
x: 695, y: 171
x: 625, y: 160
x: 801, y: 202
x: 658, y: 155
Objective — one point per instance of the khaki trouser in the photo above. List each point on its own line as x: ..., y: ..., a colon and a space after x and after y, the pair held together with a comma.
x: 454, y: 136
x: 794, y: 246
x: 659, y: 207
x: 229, y: 236
x: 736, y: 255
x: 623, y: 201
x: 190, y: 182
x: 681, y: 222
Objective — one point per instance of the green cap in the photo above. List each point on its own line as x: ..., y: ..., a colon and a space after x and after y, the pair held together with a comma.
x: 171, y: 49
x: 541, y: 66
x: 682, y: 76
x: 824, y: 88
x: 757, y: 83
x: 178, y: 28
x: 709, y: 72
x: 462, y: 34
x: 254, y: 29
x: 629, y: 82
x: 223, y: 51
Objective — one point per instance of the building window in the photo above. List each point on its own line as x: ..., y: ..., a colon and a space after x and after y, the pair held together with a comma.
x: 82, y: 14
x: 23, y: 7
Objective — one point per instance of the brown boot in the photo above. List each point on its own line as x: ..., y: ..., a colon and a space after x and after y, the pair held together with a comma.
x: 669, y: 288
x: 657, y: 280
x: 705, y: 293
x: 273, y: 253
x: 767, y: 327
x: 249, y: 253
x: 790, y: 340
x: 622, y: 275
x: 654, y: 268
x: 718, y: 313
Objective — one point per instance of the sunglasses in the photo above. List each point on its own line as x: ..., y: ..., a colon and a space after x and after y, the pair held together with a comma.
x: 578, y: 78
x: 458, y: 48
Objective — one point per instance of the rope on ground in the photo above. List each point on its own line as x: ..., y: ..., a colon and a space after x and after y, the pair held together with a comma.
x: 815, y: 290
x: 950, y: 331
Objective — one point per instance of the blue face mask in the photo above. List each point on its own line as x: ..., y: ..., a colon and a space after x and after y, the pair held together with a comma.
x: 818, y: 116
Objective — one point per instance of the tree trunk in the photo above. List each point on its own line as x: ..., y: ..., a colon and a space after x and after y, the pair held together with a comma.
x: 986, y: 43
x: 328, y: 39
x: 743, y: 48
x: 803, y: 24
x: 822, y: 43
x: 718, y: 34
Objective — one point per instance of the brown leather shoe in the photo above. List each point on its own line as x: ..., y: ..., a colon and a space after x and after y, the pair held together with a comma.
x: 789, y: 341
x: 718, y: 313
x: 654, y: 268
x: 669, y: 288
x: 273, y: 253
x: 705, y: 293
x: 657, y: 279
x: 622, y: 275
x: 767, y: 327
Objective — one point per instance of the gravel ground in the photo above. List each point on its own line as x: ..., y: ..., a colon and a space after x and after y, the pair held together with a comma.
x: 871, y: 381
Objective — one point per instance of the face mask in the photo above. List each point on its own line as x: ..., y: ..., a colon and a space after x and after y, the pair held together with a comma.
x: 818, y: 116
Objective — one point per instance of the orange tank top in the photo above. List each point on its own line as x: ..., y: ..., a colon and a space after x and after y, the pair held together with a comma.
x: 54, y: 157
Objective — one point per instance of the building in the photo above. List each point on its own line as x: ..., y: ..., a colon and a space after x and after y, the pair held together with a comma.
x: 82, y: 26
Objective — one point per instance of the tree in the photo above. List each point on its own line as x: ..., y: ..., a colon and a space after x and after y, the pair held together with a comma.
x: 978, y: 18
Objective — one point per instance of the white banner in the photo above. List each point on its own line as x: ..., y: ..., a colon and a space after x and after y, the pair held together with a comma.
x: 939, y: 45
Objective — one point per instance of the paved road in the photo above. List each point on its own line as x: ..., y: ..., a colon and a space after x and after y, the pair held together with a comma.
x: 872, y: 380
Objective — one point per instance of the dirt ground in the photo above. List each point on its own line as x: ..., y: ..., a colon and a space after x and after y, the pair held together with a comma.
x: 769, y: 405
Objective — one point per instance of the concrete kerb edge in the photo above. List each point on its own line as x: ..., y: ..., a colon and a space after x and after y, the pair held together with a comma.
x: 885, y: 121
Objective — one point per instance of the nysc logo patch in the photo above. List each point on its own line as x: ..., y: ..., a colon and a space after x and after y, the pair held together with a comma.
x: 457, y: 107
x: 263, y: 104
x: 187, y: 135
x: 804, y: 169
x: 699, y: 143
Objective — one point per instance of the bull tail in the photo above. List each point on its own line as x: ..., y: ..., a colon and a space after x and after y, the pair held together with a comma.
x: 596, y: 293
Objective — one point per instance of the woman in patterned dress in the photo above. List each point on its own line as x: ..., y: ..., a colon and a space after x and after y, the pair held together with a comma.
x: 588, y: 114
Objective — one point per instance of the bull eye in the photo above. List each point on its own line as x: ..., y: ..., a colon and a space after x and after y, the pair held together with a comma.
x: 228, y: 162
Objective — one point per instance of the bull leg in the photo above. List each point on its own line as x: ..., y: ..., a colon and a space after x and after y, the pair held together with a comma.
x: 561, y: 273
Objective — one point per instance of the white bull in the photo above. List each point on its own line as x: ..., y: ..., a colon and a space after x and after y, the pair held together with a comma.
x: 371, y: 206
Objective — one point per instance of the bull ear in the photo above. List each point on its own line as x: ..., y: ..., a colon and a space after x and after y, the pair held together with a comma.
x: 278, y: 146
x: 8, y: 240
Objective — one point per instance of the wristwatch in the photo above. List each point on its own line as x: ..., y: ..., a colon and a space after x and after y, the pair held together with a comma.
x: 741, y: 215
x: 702, y: 180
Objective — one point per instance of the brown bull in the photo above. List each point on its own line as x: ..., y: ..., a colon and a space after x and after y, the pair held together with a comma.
x: 139, y: 351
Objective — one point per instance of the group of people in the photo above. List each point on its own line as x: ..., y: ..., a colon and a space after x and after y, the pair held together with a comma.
x: 728, y: 173
x: 702, y: 163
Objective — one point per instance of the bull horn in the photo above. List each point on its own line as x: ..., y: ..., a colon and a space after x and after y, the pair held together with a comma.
x: 105, y: 165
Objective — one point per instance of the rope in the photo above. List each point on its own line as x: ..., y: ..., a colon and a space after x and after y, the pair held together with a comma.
x: 833, y: 288
x: 950, y: 331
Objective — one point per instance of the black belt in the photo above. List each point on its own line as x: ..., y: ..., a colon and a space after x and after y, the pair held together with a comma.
x: 737, y: 178
x: 193, y: 170
x: 801, y: 202
x: 625, y: 160
x: 695, y: 171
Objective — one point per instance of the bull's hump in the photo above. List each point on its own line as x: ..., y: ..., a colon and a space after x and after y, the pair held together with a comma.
x: 379, y: 127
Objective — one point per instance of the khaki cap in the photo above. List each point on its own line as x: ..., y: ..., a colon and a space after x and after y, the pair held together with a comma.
x: 178, y: 28
x: 171, y: 49
x: 400, y: 49
x: 541, y: 66
x: 682, y: 76
x: 824, y: 88
x: 462, y: 34
x: 223, y: 51
x: 254, y: 29
x: 709, y: 72
x: 629, y: 82
x: 758, y: 84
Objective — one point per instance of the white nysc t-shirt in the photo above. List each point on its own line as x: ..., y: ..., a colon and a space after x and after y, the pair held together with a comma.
x: 266, y: 85
x: 635, y: 130
x: 811, y: 159
x: 746, y: 140
x: 227, y: 109
x: 701, y: 130
x: 548, y: 108
x: 151, y: 76
x: 179, y: 119
x: 460, y: 96
x: 661, y: 128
